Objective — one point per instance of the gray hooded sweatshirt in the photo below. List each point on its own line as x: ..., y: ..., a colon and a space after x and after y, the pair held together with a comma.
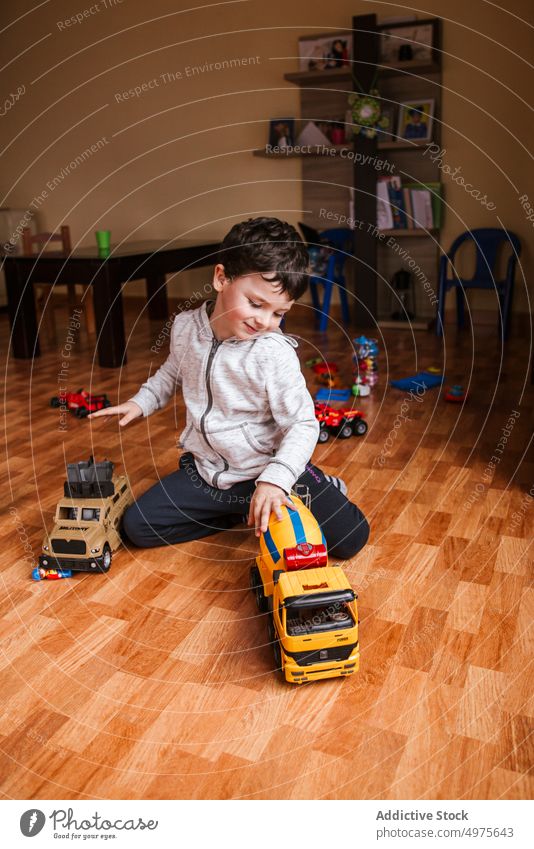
x: 249, y: 413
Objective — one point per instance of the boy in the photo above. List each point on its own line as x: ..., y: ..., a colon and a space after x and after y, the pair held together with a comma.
x: 251, y: 427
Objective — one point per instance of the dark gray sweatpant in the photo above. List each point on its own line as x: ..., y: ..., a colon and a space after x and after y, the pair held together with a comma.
x: 183, y: 507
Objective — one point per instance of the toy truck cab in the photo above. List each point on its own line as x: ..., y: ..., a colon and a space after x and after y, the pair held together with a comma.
x: 314, y: 628
x: 313, y: 617
x: 87, y: 519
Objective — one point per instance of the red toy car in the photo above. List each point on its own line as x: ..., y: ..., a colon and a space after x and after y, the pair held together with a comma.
x: 340, y: 423
x: 326, y: 374
x: 81, y: 403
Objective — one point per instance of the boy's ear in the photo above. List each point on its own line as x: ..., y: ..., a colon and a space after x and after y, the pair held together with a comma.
x: 219, y: 277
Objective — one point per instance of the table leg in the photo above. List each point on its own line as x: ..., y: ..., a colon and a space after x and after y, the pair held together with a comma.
x: 22, y: 315
x: 110, y: 338
x: 156, y: 294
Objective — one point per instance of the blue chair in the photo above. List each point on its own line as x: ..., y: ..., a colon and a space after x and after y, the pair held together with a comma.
x: 488, y: 241
x: 339, y: 243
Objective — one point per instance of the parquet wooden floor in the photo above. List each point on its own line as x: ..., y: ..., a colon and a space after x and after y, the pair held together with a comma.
x: 155, y: 681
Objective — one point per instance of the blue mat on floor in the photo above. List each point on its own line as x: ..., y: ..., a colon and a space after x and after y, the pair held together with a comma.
x: 332, y: 395
x: 421, y: 380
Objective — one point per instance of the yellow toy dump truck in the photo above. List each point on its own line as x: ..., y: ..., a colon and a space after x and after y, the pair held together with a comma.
x: 87, y: 520
x: 312, y: 611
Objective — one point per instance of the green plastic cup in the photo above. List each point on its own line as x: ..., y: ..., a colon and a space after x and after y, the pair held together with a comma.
x: 103, y: 240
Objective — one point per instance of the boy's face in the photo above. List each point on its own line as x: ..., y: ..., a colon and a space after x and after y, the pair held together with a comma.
x: 247, y: 306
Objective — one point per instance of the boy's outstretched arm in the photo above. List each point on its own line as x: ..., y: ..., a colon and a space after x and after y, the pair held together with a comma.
x: 156, y: 391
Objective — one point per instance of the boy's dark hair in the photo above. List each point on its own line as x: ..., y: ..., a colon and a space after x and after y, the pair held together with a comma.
x: 267, y: 244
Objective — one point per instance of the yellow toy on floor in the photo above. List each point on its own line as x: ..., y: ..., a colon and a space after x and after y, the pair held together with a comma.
x: 311, y: 606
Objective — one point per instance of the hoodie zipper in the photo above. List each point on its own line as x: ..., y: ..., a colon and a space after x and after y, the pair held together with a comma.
x: 215, y: 345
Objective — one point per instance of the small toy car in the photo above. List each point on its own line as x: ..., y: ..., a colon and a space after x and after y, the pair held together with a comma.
x: 340, y: 423
x: 51, y: 574
x: 456, y: 394
x: 81, y: 403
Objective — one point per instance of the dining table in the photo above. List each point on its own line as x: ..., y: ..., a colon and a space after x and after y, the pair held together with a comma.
x: 107, y: 272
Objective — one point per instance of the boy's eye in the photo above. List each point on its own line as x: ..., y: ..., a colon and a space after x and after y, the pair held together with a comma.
x: 259, y: 306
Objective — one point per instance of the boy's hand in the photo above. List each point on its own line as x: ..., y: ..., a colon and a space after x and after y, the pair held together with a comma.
x: 267, y: 499
x: 129, y: 410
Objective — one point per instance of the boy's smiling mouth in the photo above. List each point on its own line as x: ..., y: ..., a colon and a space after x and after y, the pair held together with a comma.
x: 250, y: 329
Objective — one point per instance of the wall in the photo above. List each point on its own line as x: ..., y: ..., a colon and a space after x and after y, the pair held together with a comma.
x: 176, y: 160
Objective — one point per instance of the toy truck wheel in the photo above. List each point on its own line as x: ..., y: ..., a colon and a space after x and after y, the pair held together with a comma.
x: 323, y: 435
x: 106, y: 558
x: 360, y: 428
x: 257, y: 588
x: 54, y: 402
x: 81, y: 412
x: 345, y: 432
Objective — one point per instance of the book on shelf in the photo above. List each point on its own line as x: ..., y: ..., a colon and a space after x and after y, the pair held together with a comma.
x: 422, y: 209
x: 397, y: 203
x: 384, y: 213
x: 435, y: 190
x: 408, y: 206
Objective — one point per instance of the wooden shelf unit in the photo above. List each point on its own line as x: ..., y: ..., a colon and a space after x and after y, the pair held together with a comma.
x: 327, y: 179
x: 397, y: 83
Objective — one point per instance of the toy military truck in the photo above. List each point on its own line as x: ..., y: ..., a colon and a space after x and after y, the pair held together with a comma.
x: 311, y: 606
x: 87, y: 520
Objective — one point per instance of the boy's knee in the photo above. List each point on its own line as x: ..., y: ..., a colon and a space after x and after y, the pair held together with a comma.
x: 353, y: 541
x: 134, y: 526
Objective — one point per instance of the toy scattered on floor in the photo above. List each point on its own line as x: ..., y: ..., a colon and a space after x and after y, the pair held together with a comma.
x: 51, y: 574
x: 360, y: 390
x: 313, y: 616
x: 326, y: 374
x: 340, y: 423
x: 332, y: 395
x: 421, y: 381
x: 456, y: 394
x: 365, y: 364
x: 81, y: 403
x: 87, y: 519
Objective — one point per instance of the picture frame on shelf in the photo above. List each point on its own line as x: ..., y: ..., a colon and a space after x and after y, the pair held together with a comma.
x: 325, y: 51
x: 415, y: 120
x: 416, y: 41
x: 282, y: 132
